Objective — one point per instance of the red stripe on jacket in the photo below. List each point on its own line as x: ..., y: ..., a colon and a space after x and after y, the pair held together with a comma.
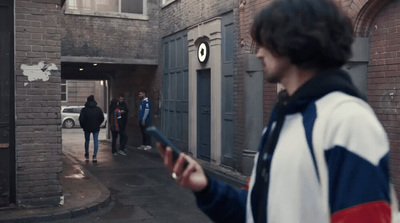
x: 373, y: 212
x: 114, y: 119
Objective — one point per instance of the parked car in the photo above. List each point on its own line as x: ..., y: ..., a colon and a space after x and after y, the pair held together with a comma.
x: 70, y: 116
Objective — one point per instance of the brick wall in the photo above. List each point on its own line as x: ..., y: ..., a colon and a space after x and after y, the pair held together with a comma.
x: 384, y: 78
x: 183, y: 14
x: 38, y: 133
x: 93, y: 36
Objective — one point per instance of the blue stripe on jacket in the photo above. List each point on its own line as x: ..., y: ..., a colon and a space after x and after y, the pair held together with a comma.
x: 347, y: 188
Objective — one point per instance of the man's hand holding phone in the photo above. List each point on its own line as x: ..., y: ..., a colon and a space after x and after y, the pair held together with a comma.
x: 191, y: 177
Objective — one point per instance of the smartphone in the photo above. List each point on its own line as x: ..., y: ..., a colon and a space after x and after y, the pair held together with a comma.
x: 153, y: 131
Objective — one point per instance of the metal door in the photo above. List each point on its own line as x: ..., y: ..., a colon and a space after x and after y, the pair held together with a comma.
x: 204, y: 114
x: 175, y: 96
x: 227, y: 133
x: 7, y: 153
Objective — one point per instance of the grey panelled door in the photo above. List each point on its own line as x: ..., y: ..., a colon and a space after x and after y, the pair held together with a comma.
x: 227, y: 90
x: 204, y: 114
x: 175, y: 89
x: 7, y: 159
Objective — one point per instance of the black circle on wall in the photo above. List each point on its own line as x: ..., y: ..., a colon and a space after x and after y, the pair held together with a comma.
x: 203, y: 52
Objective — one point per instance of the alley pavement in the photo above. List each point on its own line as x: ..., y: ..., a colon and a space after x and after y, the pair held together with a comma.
x: 132, y: 188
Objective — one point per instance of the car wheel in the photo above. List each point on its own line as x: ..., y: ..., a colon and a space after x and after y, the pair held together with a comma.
x: 69, y: 123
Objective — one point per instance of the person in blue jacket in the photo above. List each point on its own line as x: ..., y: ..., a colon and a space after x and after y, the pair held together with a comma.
x: 323, y: 156
x: 144, y: 119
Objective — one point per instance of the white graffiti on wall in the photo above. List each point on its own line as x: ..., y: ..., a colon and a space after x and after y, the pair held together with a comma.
x: 41, y: 71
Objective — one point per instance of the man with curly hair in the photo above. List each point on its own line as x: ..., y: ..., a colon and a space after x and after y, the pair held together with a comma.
x: 323, y: 156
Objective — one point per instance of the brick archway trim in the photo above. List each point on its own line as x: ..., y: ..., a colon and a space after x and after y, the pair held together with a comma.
x: 366, y: 15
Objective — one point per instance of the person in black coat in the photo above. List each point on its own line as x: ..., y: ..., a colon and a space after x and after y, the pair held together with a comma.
x: 117, y: 127
x: 123, y: 107
x: 90, y: 120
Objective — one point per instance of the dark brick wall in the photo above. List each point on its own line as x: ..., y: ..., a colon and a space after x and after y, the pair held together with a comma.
x: 94, y: 36
x: 384, y: 79
x: 38, y: 133
x: 183, y: 14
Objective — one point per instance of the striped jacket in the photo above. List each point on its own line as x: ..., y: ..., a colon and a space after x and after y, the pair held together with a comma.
x: 115, y: 120
x: 329, y: 162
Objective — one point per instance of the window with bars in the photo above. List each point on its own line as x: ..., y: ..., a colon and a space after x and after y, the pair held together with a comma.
x: 112, y: 6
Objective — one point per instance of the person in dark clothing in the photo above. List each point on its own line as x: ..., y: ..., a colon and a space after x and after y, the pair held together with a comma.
x: 117, y: 127
x: 90, y: 120
x: 123, y: 108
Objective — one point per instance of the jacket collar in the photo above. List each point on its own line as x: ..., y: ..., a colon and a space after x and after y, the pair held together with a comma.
x: 324, y: 82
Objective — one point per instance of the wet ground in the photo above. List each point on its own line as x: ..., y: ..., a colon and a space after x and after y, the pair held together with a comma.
x: 141, y: 189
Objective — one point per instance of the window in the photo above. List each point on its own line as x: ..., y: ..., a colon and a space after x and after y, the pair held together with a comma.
x: 77, y: 110
x: 72, y: 109
x: 86, y: 4
x: 68, y: 110
x: 64, y: 90
x: 132, y: 6
x: 109, y: 6
x: 72, y: 4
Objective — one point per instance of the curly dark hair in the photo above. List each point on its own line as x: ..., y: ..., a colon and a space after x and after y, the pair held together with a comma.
x: 311, y: 33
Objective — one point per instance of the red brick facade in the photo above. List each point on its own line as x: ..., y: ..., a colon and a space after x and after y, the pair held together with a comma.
x: 383, y: 78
